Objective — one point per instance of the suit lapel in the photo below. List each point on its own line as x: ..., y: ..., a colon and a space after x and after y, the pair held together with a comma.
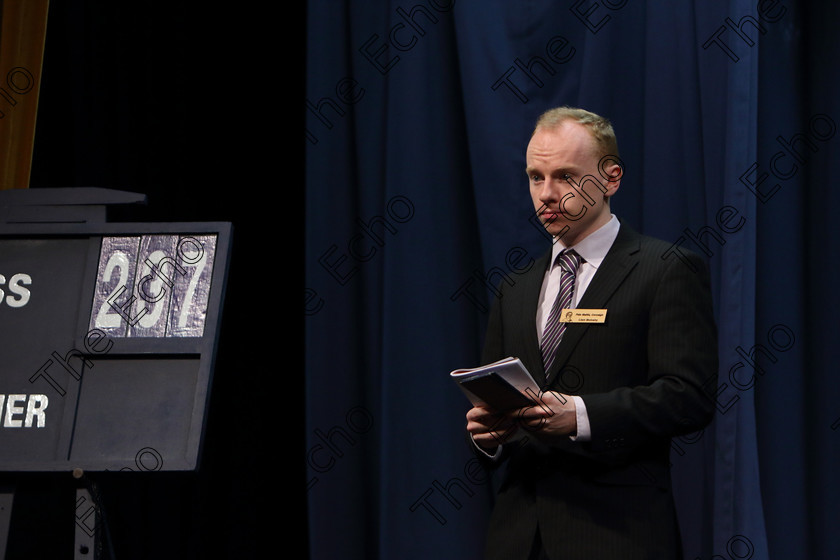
x: 617, y: 264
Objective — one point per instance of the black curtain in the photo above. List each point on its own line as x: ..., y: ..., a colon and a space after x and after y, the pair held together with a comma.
x: 799, y: 449
x: 182, y: 103
x: 417, y: 118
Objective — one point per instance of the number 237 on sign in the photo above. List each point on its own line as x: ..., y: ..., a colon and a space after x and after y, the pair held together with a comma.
x: 153, y: 286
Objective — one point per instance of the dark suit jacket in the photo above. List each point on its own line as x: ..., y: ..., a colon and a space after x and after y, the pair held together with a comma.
x: 646, y: 374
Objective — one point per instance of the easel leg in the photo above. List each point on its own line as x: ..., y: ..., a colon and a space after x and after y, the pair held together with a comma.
x: 87, y: 520
x: 6, y: 498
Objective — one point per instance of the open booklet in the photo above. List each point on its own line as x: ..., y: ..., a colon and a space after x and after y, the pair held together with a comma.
x: 502, y: 385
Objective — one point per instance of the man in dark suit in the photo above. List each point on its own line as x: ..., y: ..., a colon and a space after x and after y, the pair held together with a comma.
x: 587, y: 468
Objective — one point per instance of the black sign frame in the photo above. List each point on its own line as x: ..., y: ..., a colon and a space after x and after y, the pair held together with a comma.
x: 85, y: 440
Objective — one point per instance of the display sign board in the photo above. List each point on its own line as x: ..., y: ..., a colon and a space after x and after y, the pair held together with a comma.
x: 108, y: 336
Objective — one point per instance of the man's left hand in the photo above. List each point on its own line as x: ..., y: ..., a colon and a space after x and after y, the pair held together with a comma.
x: 552, y: 417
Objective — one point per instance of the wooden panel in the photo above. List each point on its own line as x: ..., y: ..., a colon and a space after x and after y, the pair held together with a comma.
x: 23, y: 27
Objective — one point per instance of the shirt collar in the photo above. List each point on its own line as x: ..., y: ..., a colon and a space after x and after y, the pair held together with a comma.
x: 594, y: 247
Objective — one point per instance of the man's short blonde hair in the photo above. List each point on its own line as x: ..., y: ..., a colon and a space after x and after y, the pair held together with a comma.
x: 600, y: 128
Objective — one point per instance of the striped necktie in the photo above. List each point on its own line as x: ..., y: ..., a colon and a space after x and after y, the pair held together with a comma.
x: 554, y: 328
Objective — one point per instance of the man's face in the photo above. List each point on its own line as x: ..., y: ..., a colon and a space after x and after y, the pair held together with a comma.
x: 570, y: 193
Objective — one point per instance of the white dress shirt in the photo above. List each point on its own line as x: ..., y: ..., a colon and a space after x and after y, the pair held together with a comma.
x: 592, y: 249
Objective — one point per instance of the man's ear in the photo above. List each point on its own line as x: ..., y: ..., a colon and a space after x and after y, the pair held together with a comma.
x: 612, y: 170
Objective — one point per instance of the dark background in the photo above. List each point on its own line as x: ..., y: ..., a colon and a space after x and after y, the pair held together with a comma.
x: 192, y: 106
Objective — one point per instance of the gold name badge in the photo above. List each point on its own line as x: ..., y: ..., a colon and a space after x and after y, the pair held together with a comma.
x: 583, y: 315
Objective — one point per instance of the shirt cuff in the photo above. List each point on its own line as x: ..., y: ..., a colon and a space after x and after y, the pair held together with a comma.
x: 584, y: 432
x: 492, y: 456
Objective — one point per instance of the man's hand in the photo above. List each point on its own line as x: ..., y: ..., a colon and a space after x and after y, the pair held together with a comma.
x: 551, y: 418
x: 489, y: 428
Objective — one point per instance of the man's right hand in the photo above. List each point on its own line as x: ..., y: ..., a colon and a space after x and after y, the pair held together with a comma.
x: 489, y: 428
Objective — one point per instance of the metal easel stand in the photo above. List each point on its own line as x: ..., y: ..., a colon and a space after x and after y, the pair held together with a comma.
x: 91, y: 531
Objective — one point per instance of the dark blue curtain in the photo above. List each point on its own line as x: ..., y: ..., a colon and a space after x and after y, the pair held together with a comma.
x: 417, y: 207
